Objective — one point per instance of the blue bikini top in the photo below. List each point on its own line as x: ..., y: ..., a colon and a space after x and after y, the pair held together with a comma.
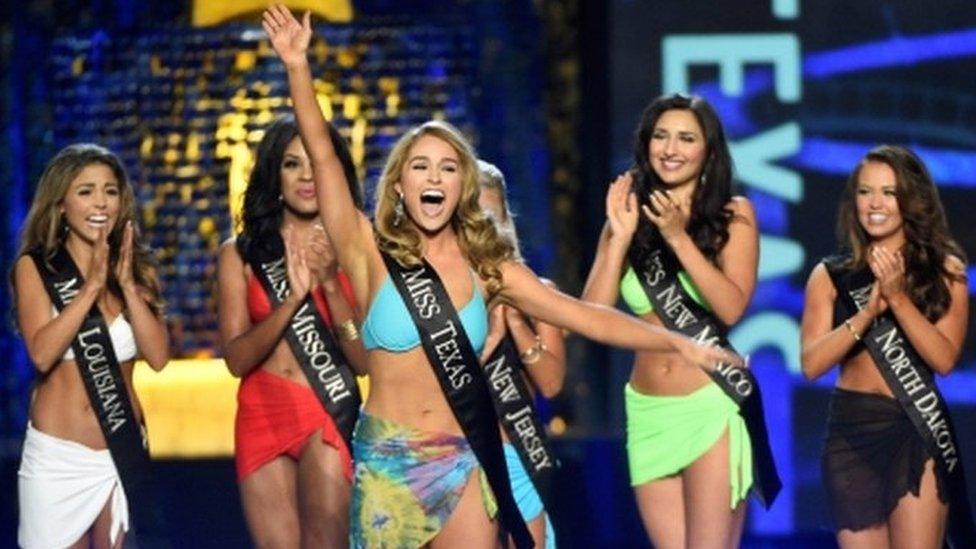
x: 388, y: 324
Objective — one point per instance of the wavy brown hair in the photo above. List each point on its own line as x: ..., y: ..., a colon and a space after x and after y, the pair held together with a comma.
x: 478, y: 238
x: 45, y: 228
x: 928, y: 244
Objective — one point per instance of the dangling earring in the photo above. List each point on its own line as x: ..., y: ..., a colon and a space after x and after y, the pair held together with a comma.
x: 704, y: 179
x: 398, y: 211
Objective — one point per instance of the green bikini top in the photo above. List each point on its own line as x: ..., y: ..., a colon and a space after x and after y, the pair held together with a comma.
x: 635, y: 298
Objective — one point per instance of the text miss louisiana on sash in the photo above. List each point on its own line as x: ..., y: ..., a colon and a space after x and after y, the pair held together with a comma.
x: 87, y: 303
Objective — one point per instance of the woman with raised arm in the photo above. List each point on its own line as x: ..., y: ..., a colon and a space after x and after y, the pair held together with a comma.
x: 538, y: 353
x: 280, y: 285
x: 892, y: 310
x: 686, y: 257
x: 427, y: 432
x: 87, y: 304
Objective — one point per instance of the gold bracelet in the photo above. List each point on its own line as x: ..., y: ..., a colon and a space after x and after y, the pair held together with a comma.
x: 850, y: 327
x: 533, y: 353
x: 347, y: 331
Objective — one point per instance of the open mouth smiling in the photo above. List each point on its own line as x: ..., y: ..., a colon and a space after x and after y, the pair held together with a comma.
x: 432, y: 201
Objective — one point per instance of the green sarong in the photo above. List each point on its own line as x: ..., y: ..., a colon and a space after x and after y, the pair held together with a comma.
x: 666, y: 434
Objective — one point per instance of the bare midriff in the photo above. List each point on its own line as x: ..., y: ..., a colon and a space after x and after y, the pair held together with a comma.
x: 404, y: 389
x: 665, y: 373
x: 60, y: 405
x: 859, y: 373
x: 282, y: 363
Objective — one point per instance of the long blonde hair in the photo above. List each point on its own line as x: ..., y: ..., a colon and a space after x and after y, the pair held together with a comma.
x: 478, y: 238
x: 45, y: 229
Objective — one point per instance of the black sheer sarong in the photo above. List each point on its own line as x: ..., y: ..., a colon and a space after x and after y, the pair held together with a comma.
x: 872, y: 457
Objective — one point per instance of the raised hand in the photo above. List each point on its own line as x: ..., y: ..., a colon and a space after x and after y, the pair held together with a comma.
x: 289, y: 38
x: 621, y: 208
x: 321, y: 257
x: 889, y: 270
x: 123, y: 267
x: 97, y: 273
x: 299, y: 274
x: 669, y: 216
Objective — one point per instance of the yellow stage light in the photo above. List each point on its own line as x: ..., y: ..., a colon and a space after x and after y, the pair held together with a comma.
x: 189, y: 408
x: 216, y: 12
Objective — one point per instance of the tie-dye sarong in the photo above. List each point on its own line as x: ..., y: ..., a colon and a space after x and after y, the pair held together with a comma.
x: 406, y: 483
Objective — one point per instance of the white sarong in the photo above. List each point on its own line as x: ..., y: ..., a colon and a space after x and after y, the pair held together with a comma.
x: 62, y: 488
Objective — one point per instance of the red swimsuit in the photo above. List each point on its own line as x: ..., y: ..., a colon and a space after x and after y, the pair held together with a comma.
x: 276, y: 416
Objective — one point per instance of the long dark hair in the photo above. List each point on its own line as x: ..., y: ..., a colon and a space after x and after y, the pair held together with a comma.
x: 263, y: 210
x: 710, y: 216
x: 928, y: 243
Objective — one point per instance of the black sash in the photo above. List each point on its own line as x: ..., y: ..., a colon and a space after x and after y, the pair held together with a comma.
x: 658, y: 275
x: 912, y: 383
x: 100, y: 371
x: 462, y: 380
x: 516, y: 411
x: 317, y: 352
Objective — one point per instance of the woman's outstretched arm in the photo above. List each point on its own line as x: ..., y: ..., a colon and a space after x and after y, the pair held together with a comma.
x: 540, y: 345
x: 525, y: 291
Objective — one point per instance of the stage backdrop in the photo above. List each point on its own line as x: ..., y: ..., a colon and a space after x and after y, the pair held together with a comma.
x: 804, y: 90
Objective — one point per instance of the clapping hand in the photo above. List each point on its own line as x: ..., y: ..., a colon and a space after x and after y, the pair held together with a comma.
x: 669, y: 216
x: 889, y: 270
x: 621, y: 207
x: 321, y: 257
x: 299, y: 273
x: 123, y: 267
x: 97, y: 274
x: 496, y: 330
